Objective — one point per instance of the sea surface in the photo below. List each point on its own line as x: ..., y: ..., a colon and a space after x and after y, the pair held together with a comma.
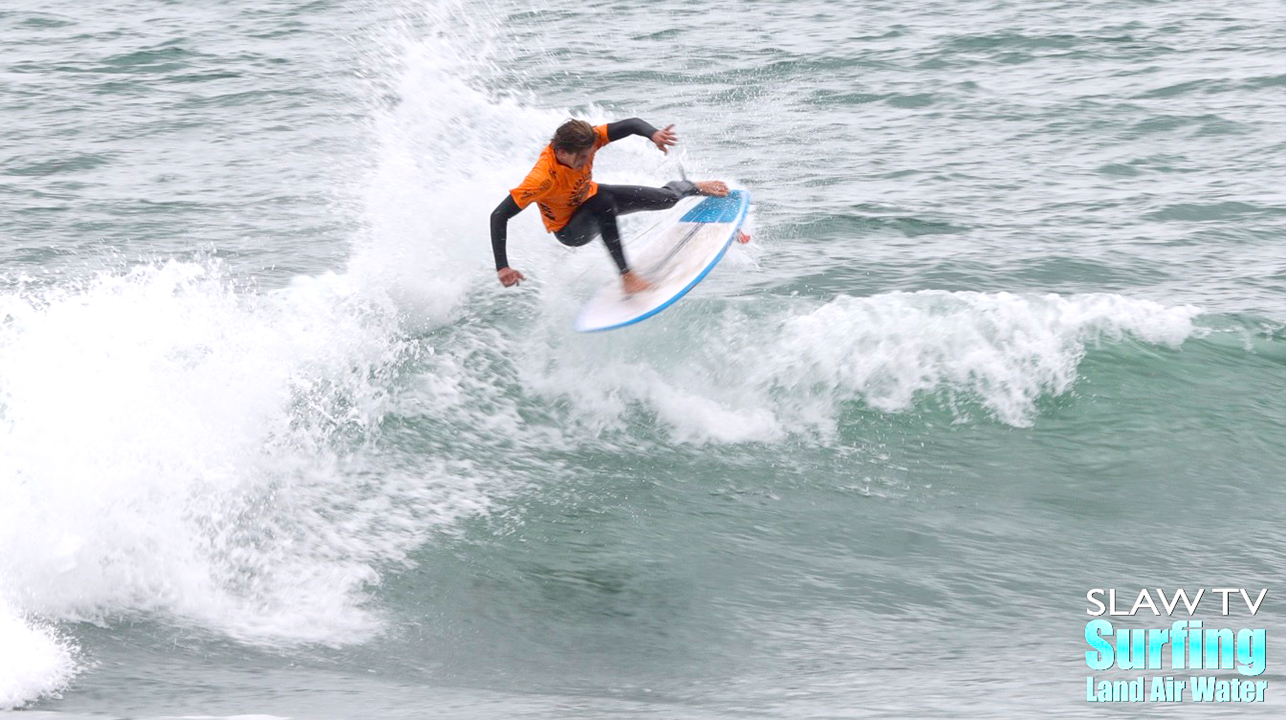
x: 275, y: 442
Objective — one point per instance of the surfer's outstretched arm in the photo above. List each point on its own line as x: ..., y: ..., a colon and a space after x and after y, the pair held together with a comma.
x: 663, y: 139
x: 499, y: 233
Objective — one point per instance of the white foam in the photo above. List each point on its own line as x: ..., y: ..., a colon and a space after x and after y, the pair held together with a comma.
x: 34, y: 661
x: 1003, y: 349
x: 761, y: 378
x: 444, y: 156
x: 168, y: 444
x: 447, y: 152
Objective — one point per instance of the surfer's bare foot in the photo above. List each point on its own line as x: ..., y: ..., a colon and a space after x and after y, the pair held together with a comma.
x: 633, y: 283
x: 716, y: 188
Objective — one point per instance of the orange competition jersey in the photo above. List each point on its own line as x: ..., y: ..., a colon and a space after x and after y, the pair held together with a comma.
x: 557, y: 189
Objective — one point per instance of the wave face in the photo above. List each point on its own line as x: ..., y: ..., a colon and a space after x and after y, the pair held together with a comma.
x: 1011, y: 328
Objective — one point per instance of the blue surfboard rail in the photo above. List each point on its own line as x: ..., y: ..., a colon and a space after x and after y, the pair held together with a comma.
x: 731, y: 208
x: 718, y: 209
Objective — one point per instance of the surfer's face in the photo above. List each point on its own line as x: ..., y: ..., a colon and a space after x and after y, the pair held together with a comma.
x: 574, y: 160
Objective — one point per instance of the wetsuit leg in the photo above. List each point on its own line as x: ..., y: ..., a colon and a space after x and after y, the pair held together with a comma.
x: 595, y: 217
x: 635, y: 198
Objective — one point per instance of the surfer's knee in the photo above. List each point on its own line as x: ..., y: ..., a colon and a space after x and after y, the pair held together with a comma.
x: 602, y: 209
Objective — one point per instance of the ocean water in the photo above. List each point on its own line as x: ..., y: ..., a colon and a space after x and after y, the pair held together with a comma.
x: 274, y: 441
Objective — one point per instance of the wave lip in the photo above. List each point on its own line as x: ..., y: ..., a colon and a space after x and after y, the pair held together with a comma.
x: 793, y: 369
x: 1003, y: 348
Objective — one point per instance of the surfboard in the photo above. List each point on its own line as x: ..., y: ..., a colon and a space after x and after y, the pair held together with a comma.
x: 678, y: 258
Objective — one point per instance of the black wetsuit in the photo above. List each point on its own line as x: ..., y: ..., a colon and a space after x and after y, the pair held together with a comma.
x: 597, y: 215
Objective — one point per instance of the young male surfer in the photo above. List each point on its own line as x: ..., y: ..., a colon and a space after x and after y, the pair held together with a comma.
x: 574, y: 207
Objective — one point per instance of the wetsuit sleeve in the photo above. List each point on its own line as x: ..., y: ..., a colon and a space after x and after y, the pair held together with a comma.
x: 625, y: 128
x: 500, y: 229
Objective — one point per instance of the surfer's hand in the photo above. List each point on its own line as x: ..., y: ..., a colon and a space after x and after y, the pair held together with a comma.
x: 665, y: 138
x: 633, y: 283
x: 510, y: 277
x: 713, y: 188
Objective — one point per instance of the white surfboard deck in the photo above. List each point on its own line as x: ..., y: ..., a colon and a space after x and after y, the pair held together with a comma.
x: 679, y: 258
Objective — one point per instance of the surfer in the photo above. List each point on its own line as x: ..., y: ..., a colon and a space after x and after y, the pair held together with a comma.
x: 575, y: 208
